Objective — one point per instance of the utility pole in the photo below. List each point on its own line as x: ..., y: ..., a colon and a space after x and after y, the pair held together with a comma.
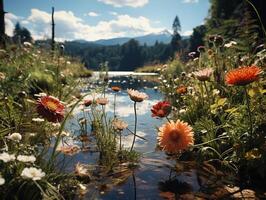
x: 53, y: 27
x: 2, y: 24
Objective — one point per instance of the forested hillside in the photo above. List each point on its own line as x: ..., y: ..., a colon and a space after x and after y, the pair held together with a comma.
x: 233, y: 20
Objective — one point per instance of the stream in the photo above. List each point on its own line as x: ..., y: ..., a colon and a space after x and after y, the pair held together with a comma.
x: 153, y: 175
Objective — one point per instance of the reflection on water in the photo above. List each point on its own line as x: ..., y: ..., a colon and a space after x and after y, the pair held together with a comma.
x: 152, y: 176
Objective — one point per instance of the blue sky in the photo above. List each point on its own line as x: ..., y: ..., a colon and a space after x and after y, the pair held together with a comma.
x: 102, y: 19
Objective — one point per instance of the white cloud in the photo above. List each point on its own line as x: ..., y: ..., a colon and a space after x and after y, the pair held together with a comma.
x: 10, y: 21
x: 187, y: 33
x: 190, y: 1
x: 70, y: 27
x: 92, y: 14
x: 121, y: 3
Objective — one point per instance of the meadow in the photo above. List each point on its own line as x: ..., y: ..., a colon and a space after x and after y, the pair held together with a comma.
x: 211, y: 111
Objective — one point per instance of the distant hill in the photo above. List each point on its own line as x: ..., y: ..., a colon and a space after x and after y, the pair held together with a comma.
x: 150, y: 39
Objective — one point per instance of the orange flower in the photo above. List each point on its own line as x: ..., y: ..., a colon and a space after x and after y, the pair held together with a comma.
x: 181, y: 90
x: 50, y: 108
x: 242, y: 75
x: 161, y: 109
x: 102, y: 101
x: 175, y: 136
x: 116, y: 88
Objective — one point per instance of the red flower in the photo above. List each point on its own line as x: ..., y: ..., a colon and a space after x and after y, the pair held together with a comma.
x: 243, y: 75
x: 161, y: 109
x: 51, y: 109
x: 87, y: 102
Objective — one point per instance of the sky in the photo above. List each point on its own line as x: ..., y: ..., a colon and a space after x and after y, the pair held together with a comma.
x: 103, y: 19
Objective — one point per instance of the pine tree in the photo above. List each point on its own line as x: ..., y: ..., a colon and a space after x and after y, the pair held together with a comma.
x: 176, y: 38
x: 21, y: 34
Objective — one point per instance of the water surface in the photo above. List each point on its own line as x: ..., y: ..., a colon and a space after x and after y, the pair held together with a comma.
x: 153, y: 174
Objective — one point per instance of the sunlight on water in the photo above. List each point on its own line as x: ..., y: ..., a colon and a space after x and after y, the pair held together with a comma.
x: 152, y: 176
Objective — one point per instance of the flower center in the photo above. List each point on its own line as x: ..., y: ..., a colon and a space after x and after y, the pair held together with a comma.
x: 175, y: 135
x: 51, y: 105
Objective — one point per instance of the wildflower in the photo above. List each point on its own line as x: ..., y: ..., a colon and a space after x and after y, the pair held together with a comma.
x: 192, y: 54
x: 204, y: 74
x: 119, y: 125
x: 27, y: 44
x: 5, y: 157
x: 2, y: 76
x: 102, y: 101
x: 201, y: 49
x: 56, y: 125
x: 37, y: 119
x: 2, y: 180
x: 24, y: 158
x: 87, y: 102
x: 161, y: 109
x: 136, y: 95
x: 183, y: 74
x: 181, y: 89
x: 216, y: 92
x: 230, y: 44
x: 242, y: 75
x: 15, y: 137
x: 175, y: 136
x: 81, y: 170
x: 50, y: 108
x: 116, y: 88
x: 181, y: 111
x: 32, y: 173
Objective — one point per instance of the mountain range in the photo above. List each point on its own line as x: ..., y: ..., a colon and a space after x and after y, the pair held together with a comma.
x: 150, y: 39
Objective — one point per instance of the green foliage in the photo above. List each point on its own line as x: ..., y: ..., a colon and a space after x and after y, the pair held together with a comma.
x: 24, y: 73
x: 128, y: 56
x: 227, y: 120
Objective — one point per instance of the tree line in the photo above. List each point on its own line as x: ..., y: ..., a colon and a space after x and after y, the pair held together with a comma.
x: 233, y: 20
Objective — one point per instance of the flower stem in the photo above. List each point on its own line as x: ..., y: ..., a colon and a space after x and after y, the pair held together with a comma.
x: 249, y: 110
x: 120, y: 140
x: 104, y: 116
x: 168, y: 119
x: 208, y: 95
x: 135, y: 127
x: 114, y: 105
